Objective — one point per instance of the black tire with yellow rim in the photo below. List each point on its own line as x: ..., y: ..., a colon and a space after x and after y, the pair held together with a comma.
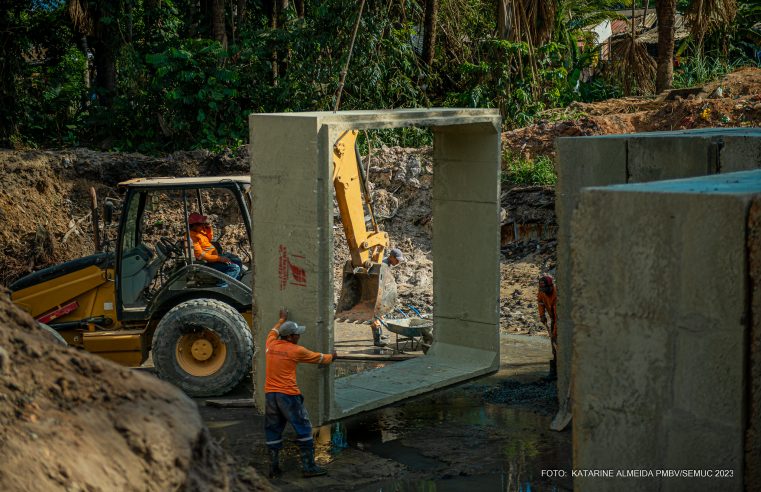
x: 203, y: 346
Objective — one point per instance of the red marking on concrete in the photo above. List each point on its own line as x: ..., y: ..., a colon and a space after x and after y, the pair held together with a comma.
x: 282, y: 267
x: 289, y: 271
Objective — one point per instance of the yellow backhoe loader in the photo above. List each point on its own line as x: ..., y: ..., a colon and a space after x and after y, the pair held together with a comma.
x: 152, y: 296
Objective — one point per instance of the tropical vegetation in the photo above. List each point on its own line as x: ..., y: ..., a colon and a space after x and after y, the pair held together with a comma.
x: 161, y: 75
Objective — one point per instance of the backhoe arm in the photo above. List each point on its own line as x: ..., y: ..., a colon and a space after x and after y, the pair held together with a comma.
x: 365, y: 246
x: 368, y: 288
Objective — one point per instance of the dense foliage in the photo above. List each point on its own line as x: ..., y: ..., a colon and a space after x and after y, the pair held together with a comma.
x: 152, y: 75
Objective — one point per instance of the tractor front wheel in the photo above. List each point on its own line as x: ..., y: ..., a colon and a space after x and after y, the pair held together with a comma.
x: 203, y: 346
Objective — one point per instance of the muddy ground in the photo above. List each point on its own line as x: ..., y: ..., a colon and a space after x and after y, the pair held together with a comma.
x: 492, y: 434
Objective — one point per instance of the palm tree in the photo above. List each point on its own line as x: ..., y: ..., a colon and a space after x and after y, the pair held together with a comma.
x: 95, y: 20
x: 665, y: 10
x: 707, y: 16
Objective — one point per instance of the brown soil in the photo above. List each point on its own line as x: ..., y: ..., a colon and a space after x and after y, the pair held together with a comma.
x: 46, y: 209
x: 44, y: 200
x: 71, y: 420
x: 738, y: 106
x: 402, y: 181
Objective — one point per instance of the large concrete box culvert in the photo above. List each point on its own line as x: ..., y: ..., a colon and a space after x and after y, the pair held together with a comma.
x: 292, y: 225
x: 633, y: 158
x: 666, y: 358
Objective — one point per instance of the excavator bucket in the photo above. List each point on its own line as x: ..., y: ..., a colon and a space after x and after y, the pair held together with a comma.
x: 366, y: 294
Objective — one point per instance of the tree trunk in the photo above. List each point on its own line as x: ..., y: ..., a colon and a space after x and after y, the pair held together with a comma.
x: 299, y: 4
x: 12, y: 65
x: 429, y: 26
x: 666, y: 12
x: 105, y: 43
x: 276, y: 13
x: 218, y: 29
x: 105, y: 71
x: 504, y: 19
x: 644, y: 15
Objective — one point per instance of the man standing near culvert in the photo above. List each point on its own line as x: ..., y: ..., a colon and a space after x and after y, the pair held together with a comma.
x: 547, y: 302
x: 394, y: 257
x: 283, y: 400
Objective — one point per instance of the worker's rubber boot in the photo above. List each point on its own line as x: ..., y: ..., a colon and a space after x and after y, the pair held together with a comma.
x: 308, y: 466
x: 553, y: 375
x: 378, y: 339
x: 275, y: 470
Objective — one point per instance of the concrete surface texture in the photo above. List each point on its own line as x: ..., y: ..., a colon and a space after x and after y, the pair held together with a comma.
x: 631, y: 158
x: 753, y: 436
x: 292, y: 236
x: 660, y: 345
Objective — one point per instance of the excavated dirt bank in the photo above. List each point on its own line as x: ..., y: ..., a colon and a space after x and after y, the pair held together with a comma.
x: 74, y: 421
x: 46, y: 208
x: 736, y: 104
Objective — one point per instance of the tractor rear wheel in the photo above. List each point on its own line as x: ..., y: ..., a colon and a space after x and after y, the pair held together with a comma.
x: 203, y: 346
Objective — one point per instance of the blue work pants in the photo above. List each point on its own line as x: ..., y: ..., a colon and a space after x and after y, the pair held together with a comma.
x: 229, y: 269
x: 280, y: 409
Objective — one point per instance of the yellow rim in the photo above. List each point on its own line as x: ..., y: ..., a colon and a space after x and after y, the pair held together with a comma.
x: 201, y: 354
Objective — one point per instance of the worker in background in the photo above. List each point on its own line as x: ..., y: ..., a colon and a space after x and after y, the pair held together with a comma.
x: 547, y: 302
x: 394, y: 257
x: 283, y: 400
x: 201, y: 235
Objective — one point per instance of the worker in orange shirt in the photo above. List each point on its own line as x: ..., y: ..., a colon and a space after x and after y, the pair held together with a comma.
x: 547, y: 302
x: 201, y: 235
x: 283, y: 400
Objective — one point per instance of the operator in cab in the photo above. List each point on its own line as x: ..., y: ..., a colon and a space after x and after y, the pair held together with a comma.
x: 202, y: 235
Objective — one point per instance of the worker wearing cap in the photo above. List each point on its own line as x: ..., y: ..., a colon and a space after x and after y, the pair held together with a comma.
x: 547, y: 302
x: 394, y: 257
x: 201, y: 235
x: 283, y: 400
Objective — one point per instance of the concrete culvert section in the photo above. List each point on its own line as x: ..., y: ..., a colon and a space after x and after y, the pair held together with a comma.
x: 292, y: 227
x: 633, y: 158
x: 663, y: 367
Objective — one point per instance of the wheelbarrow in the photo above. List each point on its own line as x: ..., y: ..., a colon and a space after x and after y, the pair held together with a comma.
x: 417, y: 333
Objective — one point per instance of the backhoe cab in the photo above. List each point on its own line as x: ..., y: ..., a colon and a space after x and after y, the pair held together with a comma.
x: 148, y: 294
x: 151, y: 295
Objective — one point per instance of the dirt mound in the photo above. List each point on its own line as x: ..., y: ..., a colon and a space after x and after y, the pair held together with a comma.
x: 71, y: 420
x: 734, y: 100
x: 44, y: 200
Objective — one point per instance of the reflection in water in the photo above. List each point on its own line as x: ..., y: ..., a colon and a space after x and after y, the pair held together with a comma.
x: 338, y: 438
x: 462, y: 441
